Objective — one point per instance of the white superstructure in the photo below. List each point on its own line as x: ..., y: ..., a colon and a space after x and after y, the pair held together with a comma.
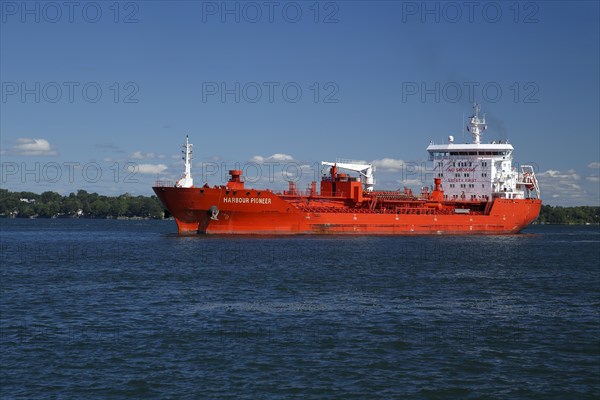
x: 480, y: 171
x: 186, y: 180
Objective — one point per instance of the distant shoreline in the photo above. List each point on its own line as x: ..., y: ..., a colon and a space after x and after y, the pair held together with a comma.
x: 88, y: 218
x: 567, y: 223
x: 94, y: 206
x: 78, y: 205
x: 172, y: 219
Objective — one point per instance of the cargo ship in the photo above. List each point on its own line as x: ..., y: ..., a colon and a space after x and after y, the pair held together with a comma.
x: 476, y: 190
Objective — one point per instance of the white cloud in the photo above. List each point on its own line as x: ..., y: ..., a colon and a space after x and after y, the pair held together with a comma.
x: 281, y: 157
x: 140, y: 155
x: 33, y: 147
x: 411, y: 182
x: 594, y: 165
x: 151, y: 168
x: 566, y: 186
x: 273, y: 158
x: 291, y: 174
x: 554, y: 174
x: 389, y: 164
x: 407, y: 168
x: 593, y: 178
x: 572, y: 186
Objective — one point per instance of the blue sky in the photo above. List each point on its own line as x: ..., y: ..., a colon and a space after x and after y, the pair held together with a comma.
x: 97, y: 88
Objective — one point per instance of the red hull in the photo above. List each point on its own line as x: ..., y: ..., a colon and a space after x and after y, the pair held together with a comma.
x: 221, y: 210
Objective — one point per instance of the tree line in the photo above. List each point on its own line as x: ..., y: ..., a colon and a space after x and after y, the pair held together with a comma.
x: 93, y: 205
x: 80, y: 204
x: 569, y: 215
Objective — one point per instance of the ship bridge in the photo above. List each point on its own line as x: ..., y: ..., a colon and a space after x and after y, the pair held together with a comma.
x: 480, y: 171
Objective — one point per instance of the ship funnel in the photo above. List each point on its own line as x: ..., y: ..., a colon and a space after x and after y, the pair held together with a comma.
x: 438, y: 192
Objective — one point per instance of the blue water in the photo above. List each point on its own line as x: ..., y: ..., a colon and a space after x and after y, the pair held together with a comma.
x: 127, y: 309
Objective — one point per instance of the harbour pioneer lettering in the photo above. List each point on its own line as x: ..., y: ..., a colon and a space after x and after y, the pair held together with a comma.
x: 247, y: 200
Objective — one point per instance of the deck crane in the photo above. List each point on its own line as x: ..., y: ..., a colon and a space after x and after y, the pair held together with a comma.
x: 365, y: 170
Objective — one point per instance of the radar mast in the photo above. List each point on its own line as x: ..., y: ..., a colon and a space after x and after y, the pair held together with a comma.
x: 476, y: 125
x: 186, y: 180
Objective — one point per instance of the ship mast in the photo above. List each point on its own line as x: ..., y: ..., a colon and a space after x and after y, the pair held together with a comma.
x: 476, y: 125
x: 186, y: 180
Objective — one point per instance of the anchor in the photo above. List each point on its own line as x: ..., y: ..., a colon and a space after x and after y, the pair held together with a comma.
x: 214, y: 211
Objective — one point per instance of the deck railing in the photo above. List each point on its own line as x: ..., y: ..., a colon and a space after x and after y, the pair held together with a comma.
x: 164, y: 184
x: 308, y: 193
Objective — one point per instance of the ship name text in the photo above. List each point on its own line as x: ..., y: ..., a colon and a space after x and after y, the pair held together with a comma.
x: 247, y: 200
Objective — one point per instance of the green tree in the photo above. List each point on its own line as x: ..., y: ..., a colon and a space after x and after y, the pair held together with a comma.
x: 71, y: 205
x: 47, y: 197
x: 25, y: 210
x: 118, y: 206
x: 99, y: 208
x: 9, y: 202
